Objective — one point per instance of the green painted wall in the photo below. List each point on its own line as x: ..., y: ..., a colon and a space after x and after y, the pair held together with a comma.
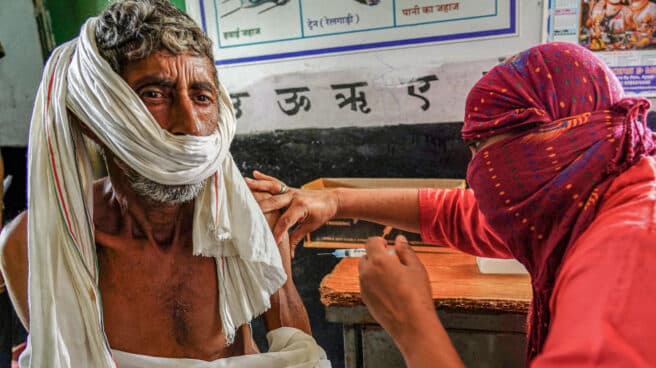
x: 180, y: 4
x: 67, y: 16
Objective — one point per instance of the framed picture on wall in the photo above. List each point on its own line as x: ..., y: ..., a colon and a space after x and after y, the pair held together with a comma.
x: 621, y: 32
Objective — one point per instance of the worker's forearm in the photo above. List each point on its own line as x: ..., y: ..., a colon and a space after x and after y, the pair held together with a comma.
x: 394, y: 207
x: 427, y: 345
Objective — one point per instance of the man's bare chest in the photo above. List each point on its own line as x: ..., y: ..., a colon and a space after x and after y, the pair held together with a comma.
x: 161, y: 304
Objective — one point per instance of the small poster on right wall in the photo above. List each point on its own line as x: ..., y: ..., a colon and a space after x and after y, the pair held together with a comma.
x: 621, y: 32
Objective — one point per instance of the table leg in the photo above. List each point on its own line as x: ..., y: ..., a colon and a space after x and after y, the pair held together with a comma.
x: 351, y: 346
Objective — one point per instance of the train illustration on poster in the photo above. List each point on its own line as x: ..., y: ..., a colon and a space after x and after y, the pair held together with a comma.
x: 369, y: 2
x: 254, y: 3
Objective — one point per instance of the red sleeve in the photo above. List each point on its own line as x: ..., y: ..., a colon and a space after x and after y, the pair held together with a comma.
x: 451, y: 217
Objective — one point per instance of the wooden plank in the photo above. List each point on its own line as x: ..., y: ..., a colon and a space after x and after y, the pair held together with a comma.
x: 473, y: 320
x: 455, y: 282
x: 325, y: 183
x: 476, y: 349
x: 338, y: 245
x: 349, y: 233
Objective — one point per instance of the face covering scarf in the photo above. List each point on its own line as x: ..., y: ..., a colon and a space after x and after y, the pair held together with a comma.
x: 573, y: 133
x: 65, y: 307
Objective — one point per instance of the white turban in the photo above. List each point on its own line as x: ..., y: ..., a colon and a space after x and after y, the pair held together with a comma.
x: 66, y: 327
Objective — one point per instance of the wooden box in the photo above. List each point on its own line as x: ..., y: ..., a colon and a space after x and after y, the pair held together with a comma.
x: 352, y: 233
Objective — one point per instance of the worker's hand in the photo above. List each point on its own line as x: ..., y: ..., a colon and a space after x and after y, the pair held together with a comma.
x: 395, y: 287
x: 308, y: 208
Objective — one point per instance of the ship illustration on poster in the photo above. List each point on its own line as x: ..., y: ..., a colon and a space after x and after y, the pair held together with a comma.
x: 255, y: 3
x: 369, y: 2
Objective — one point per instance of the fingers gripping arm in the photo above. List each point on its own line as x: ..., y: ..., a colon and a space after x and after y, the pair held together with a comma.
x: 312, y: 208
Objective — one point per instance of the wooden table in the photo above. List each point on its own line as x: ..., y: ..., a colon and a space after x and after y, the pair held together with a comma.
x: 485, y: 315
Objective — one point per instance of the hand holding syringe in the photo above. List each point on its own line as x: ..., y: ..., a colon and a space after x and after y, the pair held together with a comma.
x: 356, y: 252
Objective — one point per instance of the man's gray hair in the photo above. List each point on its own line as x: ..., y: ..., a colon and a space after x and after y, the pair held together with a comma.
x: 130, y: 30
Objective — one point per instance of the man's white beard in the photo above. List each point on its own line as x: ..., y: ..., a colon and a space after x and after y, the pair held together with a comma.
x: 156, y: 192
x: 160, y: 193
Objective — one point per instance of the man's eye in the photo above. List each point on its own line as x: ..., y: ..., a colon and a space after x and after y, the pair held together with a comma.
x: 203, y: 98
x: 151, y: 94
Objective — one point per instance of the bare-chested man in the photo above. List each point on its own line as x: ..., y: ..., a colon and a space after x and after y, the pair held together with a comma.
x: 158, y: 298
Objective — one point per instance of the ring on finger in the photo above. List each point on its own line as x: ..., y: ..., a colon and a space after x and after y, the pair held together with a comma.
x: 283, y: 188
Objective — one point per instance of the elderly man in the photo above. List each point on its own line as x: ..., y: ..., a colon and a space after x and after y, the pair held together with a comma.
x: 166, y: 261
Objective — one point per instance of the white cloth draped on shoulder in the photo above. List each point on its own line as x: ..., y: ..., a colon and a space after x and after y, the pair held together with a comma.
x: 66, y: 327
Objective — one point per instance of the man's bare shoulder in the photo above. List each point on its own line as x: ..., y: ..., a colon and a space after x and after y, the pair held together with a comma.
x: 13, y: 262
x: 13, y: 237
x: 14, y: 234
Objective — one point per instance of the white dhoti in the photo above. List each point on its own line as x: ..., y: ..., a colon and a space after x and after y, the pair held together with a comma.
x: 289, y: 347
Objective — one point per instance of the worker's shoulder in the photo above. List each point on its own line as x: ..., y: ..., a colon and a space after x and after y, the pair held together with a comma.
x: 630, y: 201
x: 13, y: 237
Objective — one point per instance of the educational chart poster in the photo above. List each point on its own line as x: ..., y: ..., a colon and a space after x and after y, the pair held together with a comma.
x: 622, y: 32
x: 247, y: 31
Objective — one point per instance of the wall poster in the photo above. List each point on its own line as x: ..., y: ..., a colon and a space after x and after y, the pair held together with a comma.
x: 247, y: 31
x: 621, y: 32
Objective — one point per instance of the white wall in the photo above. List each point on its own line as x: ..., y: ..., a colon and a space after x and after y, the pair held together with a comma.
x: 20, y: 70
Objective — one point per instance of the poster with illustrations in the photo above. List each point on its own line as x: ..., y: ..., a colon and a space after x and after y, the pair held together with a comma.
x: 622, y: 32
x: 247, y: 31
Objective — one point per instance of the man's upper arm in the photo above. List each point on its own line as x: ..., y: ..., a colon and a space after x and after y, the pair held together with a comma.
x: 287, y: 307
x: 13, y: 263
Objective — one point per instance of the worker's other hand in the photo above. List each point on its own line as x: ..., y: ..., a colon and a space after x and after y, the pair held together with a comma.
x: 395, y: 287
x: 309, y: 209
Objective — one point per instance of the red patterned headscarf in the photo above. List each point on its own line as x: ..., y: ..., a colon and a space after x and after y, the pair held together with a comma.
x: 540, y: 188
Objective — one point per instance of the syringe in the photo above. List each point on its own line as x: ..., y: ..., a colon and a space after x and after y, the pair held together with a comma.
x: 347, y: 253
x: 351, y: 253
x: 356, y: 252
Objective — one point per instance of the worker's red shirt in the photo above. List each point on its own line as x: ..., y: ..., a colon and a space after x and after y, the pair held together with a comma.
x: 604, y: 303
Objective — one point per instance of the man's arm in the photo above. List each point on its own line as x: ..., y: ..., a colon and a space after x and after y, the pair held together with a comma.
x: 287, y: 308
x: 13, y: 264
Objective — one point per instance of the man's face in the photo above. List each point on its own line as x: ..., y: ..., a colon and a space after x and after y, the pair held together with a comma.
x: 181, y: 94
x: 178, y: 90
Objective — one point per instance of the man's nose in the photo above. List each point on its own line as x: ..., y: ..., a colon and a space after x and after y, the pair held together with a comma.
x: 183, y: 118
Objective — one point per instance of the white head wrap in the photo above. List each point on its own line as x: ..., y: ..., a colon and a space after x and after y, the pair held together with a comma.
x: 66, y: 327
